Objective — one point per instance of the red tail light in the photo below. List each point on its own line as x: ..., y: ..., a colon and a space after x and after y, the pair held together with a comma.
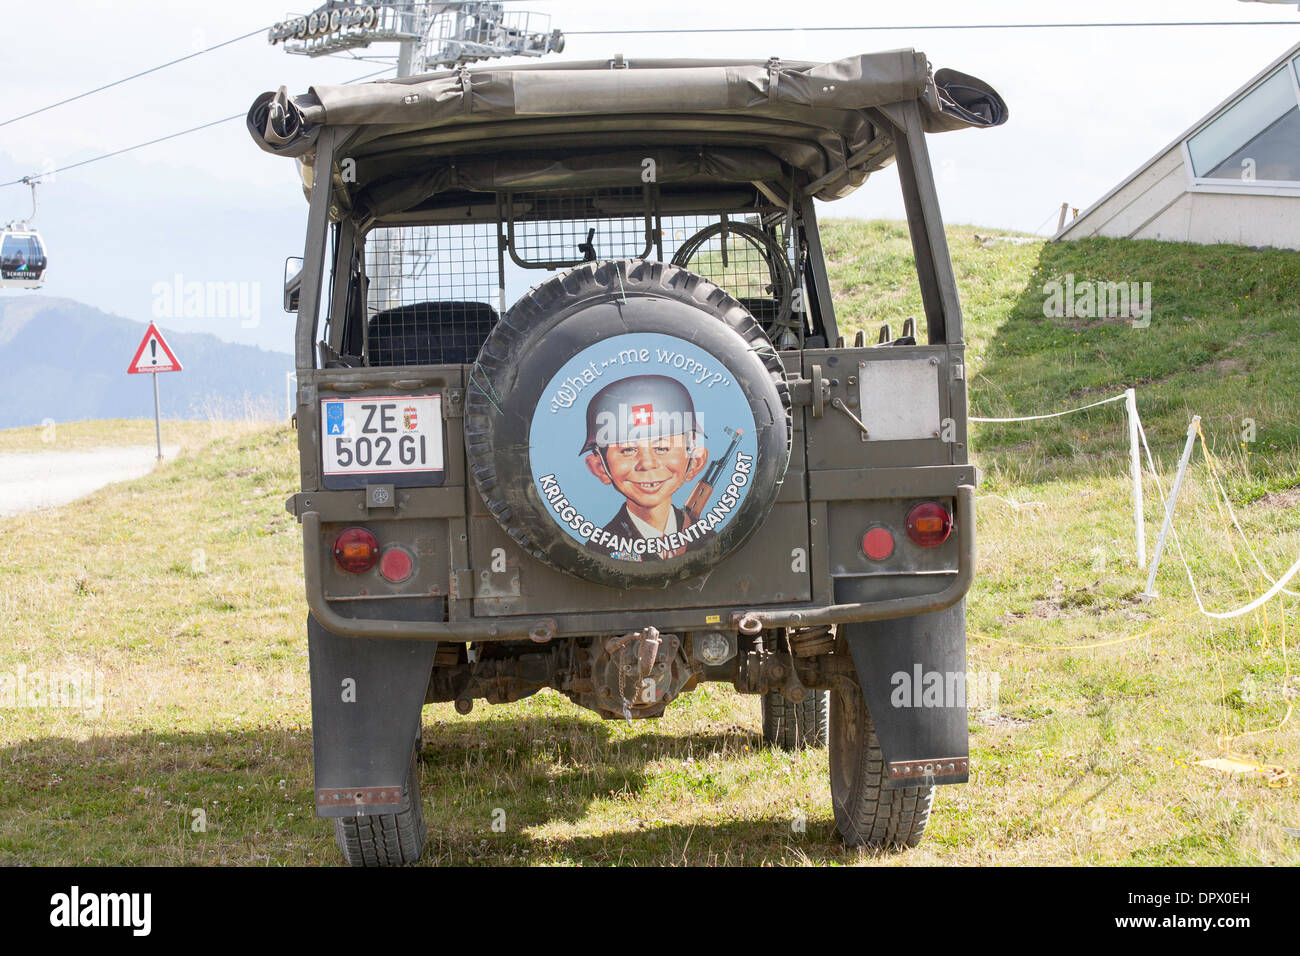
x: 878, y: 543
x: 396, y: 564
x: 929, y: 524
x: 356, y: 550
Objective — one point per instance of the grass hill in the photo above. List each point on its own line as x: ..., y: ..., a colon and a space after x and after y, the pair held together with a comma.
x: 182, y: 591
x: 1223, y: 342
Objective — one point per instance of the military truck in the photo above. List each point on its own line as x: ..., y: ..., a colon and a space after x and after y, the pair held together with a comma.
x: 575, y: 411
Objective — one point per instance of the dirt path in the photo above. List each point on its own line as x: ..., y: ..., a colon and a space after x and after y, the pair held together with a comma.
x: 30, y: 480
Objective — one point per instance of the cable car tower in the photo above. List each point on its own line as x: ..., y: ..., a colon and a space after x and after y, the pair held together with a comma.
x: 22, y: 253
x: 430, y: 34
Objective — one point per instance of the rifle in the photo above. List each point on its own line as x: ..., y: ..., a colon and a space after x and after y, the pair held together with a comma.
x: 703, y: 489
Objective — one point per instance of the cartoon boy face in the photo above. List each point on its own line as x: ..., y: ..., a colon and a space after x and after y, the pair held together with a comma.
x: 642, y: 436
x: 648, y: 473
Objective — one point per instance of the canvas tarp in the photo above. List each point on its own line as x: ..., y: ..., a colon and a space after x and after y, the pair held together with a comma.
x: 810, y: 116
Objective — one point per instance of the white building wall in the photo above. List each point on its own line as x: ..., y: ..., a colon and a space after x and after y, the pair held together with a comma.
x: 1129, y: 207
x: 1157, y: 204
x: 1244, y: 220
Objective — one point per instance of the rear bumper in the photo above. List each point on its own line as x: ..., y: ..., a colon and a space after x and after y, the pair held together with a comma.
x: 895, y: 607
x: 694, y: 619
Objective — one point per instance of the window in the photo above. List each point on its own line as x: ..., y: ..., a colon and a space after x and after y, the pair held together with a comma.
x: 1254, y: 141
x: 9, y: 251
x: 20, y: 252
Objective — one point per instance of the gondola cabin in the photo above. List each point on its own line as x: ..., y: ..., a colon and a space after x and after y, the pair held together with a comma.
x: 22, y: 259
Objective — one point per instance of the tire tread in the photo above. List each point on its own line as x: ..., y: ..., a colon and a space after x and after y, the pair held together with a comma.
x: 386, y: 839
x: 792, y: 726
x: 870, y: 814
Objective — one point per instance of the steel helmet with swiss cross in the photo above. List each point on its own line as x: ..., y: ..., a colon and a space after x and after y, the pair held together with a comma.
x: 640, y: 408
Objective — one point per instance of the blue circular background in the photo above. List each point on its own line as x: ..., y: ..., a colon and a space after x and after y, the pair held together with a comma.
x: 559, y: 425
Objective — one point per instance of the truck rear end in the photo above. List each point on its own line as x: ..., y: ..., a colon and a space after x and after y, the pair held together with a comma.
x: 581, y: 416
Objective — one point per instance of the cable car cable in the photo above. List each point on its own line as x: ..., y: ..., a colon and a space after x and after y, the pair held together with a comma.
x: 803, y: 29
x: 944, y: 26
x: 631, y: 32
x: 127, y: 149
x: 134, y: 76
x: 160, y: 139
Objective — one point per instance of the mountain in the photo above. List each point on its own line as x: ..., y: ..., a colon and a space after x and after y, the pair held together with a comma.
x: 66, y: 361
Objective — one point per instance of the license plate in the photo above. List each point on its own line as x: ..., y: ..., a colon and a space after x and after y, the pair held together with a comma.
x: 381, y: 434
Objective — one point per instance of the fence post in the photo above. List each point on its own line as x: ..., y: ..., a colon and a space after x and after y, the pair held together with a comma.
x: 1135, y: 469
x: 1169, y: 506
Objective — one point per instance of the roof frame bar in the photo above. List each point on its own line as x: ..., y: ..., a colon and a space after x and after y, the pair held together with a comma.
x: 925, y: 224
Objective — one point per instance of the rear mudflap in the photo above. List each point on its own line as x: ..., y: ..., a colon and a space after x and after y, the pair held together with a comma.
x: 913, y: 676
x: 366, y: 697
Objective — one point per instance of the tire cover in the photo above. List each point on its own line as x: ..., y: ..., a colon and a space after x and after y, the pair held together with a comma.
x: 602, y: 402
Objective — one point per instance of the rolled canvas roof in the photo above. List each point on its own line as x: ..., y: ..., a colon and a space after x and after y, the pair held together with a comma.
x: 812, y: 117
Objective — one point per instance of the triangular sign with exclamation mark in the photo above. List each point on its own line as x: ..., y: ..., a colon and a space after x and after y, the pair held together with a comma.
x: 153, y: 355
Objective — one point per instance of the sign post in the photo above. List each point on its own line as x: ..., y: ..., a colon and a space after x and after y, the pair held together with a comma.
x: 152, y: 357
x: 157, y: 422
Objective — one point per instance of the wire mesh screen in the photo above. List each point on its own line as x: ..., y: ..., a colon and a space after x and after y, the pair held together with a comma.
x: 556, y: 231
x: 433, y: 293
x: 734, y: 253
x: 745, y: 256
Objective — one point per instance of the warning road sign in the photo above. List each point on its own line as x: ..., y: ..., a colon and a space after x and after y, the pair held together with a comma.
x: 153, y: 355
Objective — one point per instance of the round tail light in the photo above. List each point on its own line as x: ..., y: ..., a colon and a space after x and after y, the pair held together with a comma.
x: 929, y: 524
x: 878, y: 543
x: 356, y: 550
x: 396, y: 564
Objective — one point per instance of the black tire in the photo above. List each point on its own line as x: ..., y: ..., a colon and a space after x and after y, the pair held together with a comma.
x: 595, y: 311
x: 792, y: 726
x: 866, y: 813
x: 386, y: 839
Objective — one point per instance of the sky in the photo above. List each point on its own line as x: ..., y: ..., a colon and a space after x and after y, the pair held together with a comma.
x: 130, y: 234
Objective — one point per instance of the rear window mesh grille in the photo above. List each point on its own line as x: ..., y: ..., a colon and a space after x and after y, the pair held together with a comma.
x: 732, y: 257
x: 556, y: 231
x: 434, y: 292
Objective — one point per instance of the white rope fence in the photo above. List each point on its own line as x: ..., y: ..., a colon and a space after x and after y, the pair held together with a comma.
x: 1069, y: 411
x: 1232, y: 513
x: 1279, y: 585
x: 1138, y: 438
x: 1129, y: 398
x: 1268, y: 595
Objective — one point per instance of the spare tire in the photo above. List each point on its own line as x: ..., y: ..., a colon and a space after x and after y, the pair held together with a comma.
x: 628, y: 422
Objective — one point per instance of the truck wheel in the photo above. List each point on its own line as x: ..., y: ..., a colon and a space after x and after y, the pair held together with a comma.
x: 386, y: 839
x: 792, y: 726
x: 866, y: 813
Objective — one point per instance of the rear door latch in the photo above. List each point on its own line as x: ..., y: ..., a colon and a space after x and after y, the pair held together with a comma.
x: 812, y: 391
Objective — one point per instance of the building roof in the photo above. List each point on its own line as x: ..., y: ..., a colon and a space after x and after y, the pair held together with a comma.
x: 1177, y: 140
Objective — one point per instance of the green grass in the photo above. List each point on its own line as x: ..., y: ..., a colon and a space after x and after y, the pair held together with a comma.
x: 116, y: 432
x: 1223, y: 342
x: 182, y: 592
